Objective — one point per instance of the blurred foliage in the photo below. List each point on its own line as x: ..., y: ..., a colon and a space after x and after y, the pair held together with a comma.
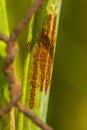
x: 68, y: 99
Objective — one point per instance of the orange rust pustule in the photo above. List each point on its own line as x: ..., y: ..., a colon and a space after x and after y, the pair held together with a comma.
x: 45, y: 46
x: 48, y: 72
x: 34, y: 75
x: 44, y: 56
x: 51, y: 52
x: 48, y: 27
x: 53, y: 39
x: 43, y: 59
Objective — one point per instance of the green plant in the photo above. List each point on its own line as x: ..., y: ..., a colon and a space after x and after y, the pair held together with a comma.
x: 38, y: 63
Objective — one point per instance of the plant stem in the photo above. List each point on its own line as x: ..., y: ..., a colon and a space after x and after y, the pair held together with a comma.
x: 37, y: 80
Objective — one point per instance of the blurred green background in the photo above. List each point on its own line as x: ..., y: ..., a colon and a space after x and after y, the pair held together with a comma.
x: 68, y: 98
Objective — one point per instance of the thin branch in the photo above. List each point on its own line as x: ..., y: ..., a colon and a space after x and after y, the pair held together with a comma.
x: 4, y: 38
x: 26, y: 19
x: 7, y: 108
x: 33, y: 117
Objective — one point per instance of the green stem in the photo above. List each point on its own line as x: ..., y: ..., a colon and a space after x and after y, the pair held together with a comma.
x: 36, y: 79
x: 20, y: 123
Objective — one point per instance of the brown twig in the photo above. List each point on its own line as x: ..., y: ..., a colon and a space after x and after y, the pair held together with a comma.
x: 4, y: 38
x: 8, y: 68
x: 26, y: 19
x: 32, y: 116
x: 7, y: 108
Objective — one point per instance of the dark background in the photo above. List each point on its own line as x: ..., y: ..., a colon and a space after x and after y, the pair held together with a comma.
x: 68, y: 98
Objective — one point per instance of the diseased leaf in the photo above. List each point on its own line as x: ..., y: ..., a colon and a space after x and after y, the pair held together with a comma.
x: 38, y: 64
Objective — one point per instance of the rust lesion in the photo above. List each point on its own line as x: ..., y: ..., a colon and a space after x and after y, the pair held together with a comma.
x: 45, y: 44
x: 8, y: 68
x: 48, y: 40
x: 53, y: 37
x: 51, y: 53
x: 49, y: 25
x: 44, y: 57
x: 34, y: 75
